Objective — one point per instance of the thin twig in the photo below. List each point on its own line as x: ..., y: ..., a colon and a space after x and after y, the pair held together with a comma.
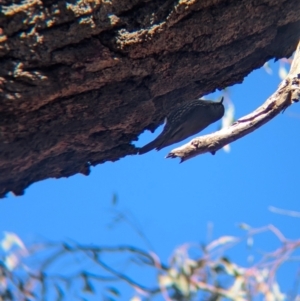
x: 284, y: 212
x: 123, y: 277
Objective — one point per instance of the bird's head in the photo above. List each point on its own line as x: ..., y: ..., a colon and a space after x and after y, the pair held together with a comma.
x: 217, y: 109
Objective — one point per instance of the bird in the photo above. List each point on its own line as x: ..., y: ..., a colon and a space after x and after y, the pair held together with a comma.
x: 185, y: 121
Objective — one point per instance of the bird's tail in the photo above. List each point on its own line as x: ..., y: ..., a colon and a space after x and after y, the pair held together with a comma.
x: 148, y: 147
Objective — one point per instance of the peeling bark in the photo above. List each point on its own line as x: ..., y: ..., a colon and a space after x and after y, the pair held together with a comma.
x: 80, y: 80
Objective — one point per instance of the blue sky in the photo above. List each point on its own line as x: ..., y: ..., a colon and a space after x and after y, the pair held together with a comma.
x: 174, y: 203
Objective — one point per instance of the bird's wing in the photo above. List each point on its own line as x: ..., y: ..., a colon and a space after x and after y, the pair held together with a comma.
x: 172, y: 138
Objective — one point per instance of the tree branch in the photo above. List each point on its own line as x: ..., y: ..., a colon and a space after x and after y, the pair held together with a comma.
x: 287, y: 93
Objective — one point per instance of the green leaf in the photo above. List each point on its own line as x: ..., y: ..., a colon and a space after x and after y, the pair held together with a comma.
x: 165, y: 280
x: 244, y: 226
x: 231, y: 268
x: 221, y: 241
x: 183, y: 285
x: 267, y: 68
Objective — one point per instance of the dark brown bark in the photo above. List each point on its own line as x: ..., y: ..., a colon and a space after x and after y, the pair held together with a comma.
x: 80, y: 81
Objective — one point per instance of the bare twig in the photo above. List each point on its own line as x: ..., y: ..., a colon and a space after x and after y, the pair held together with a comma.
x: 287, y: 93
x: 124, y: 277
x: 219, y: 291
x: 271, y: 228
x: 284, y: 212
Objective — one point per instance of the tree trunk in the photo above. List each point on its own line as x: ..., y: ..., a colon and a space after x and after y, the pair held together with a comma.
x: 80, y: 80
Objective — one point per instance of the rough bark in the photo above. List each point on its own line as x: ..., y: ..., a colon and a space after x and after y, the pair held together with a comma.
x: 80, y: 80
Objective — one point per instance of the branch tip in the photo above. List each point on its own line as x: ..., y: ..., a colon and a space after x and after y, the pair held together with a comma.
x: 288, y: 92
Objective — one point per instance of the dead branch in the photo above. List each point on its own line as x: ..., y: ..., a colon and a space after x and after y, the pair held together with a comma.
x: 287, y: 93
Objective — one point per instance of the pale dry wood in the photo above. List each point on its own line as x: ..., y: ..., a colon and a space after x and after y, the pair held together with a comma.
x: 287, y: 93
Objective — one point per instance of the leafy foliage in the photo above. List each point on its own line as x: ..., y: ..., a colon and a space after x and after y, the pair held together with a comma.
x: 193, y: 272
